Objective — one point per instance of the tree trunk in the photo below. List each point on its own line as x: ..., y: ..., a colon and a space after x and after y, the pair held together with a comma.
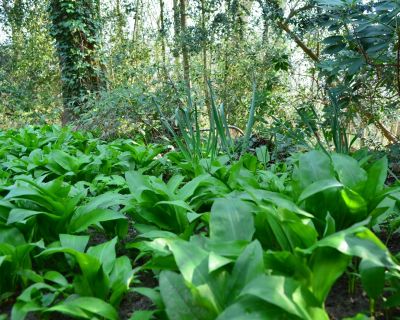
x: 120, y: 20
x: 185, y: 52
x: 398, y: 130
x: 177, y: 34
x: 204, y: 51
x: 162, y: 37
x: 82, y: 71
x: 139, y: 6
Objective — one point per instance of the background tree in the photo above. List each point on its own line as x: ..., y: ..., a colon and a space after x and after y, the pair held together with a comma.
x: 76, y: 29
x: 152, y: 50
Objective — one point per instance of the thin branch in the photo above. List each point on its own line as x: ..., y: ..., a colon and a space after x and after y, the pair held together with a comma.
x: 294, y: 12
x: 284, y: 26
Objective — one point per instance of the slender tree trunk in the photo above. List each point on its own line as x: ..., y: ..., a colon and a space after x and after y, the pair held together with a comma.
x: 162, y: 37
x: 265, y: 32
x: 136, y: 21
x: 177, y: 35
x: 398, y: 130
x: 120, y: 20
x: 225, y: 80
x: 204, y: 52
x: 141, y: 19
x: 185, y: 52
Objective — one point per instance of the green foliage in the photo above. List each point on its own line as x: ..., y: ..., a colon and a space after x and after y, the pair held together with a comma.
x: 225, y: 238
x: 258, y: 283
x: 75, y: 28
x: 230, y: 228
x: 193, y: 142
x: 363, y: 38
x: 338, y: 187
x: 28, y: 66
x: 121, y: 112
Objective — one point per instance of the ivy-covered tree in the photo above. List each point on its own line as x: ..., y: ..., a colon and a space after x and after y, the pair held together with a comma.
x: 76, y: 28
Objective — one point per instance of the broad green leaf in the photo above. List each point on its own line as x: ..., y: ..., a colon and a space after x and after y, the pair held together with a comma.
x: 372, y: 278
x: 192, y: 262
x: 227, y: 249
x: 377, y: 47
x: 283, y: 230
x: 30, y: 275
x: 318, y: 187
x: 174, y: 183
x: 81, y: 220
x: 21, y: 215
x: 21, y: 191
x: 248, y: 266
x: 153, y: 234
x: 332, y: 3
x: 137, y: 183
x: 334, y: 48
x: 77, y: 243
x: 376, y: 178
x: 263, y: 154
x: 312, y: 167
x: 216, y: 261
x: 355, y: 203
x: 66, y: 161
x: 26, y: 302
x: 355, y: 64
x: 327, y: 265
x: 231, y: 220
x: 11, y: 235
x: 105, y: 200
x: 151, y: 293
x: 278, y: 199
x: 192, y: 216
x: 330, y: 225
x: 4, y: 258
x: 178, y: 299
x: 255, y: 309
x: 105, y: 253
x: 360, y: 242
x: 120, y: 279
x: 56, y: 277
x: 177, y: 203
x: 88, y: 306
x: 333, y: 40
x: 284, y: 293
x: 349, y: 171
x: 189, y: 188
x: 21, y: 309
x: 88, y: 264
x: 287, y: 264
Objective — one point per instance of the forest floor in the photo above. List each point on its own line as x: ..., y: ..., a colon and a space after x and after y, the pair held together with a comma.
x: 341, y: 302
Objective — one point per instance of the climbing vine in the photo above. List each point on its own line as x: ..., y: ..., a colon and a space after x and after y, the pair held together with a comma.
x: 76, y: 28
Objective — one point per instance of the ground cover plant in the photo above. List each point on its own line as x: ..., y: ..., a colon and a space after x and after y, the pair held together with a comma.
x: 82, y: 221
x: 199, y: 159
